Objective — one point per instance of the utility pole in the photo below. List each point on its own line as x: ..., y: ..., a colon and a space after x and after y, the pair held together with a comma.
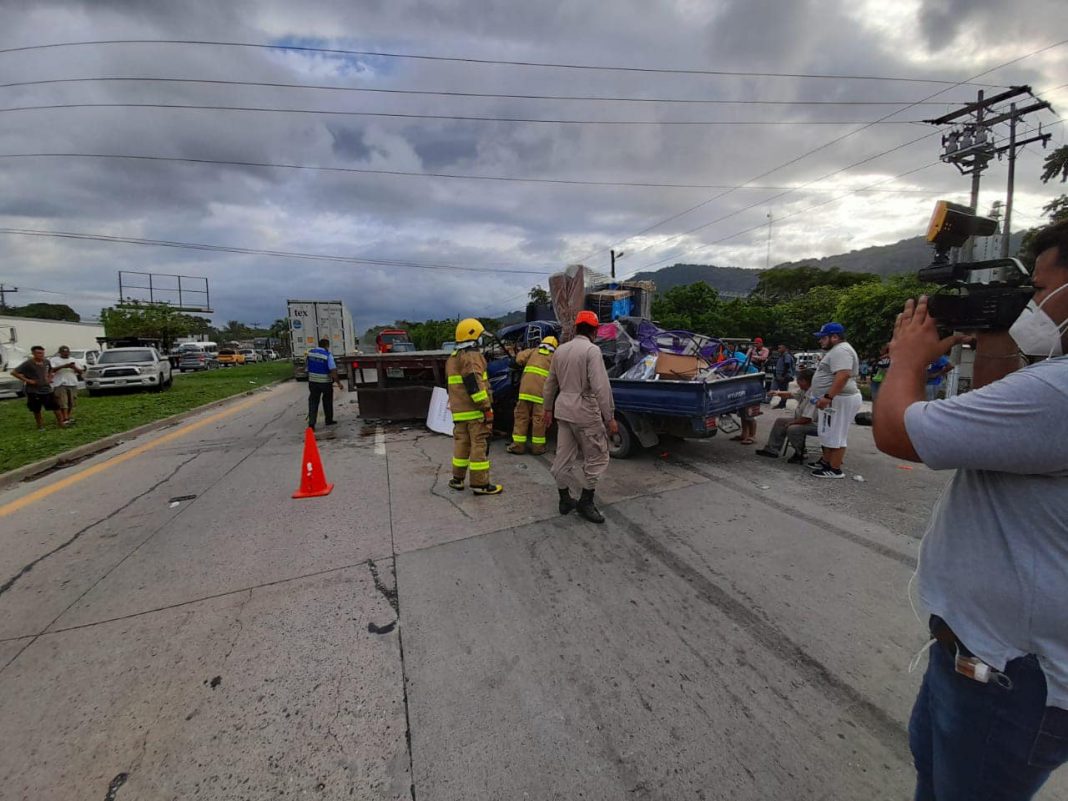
x: 3, y: 294
x: 970, y: 145
x: 767, y: 256
x: 1011, y: 149
x: 616, y: 254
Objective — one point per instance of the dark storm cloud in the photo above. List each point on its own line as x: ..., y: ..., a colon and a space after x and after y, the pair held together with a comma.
x: 482, y: 224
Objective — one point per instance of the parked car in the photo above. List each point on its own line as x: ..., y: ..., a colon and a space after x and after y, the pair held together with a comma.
x: 123, y: 368
x: 194, y: 359
x: 270, y: 355
x: 448, y: 347
x: 228, y: 357
x: 250, y: 355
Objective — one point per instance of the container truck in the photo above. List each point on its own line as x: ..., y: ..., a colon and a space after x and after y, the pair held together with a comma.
x: 312, y: 320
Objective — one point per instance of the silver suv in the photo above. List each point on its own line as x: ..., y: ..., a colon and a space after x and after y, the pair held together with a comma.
x: 129, y: 368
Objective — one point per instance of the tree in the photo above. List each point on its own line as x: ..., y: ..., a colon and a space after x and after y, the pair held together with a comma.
x: 784, y: 283
x: 1056, y: 163
x: 868, y: 311
x: 694, y: 307
x: 539, y: 295
x: 44, y: 311
x: 151, y: 321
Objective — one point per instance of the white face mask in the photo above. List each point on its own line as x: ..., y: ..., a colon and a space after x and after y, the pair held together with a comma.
x: 1034, y: 331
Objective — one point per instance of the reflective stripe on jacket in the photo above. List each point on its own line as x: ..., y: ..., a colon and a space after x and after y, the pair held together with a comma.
x: 467, y: 406
x: 535, y: 363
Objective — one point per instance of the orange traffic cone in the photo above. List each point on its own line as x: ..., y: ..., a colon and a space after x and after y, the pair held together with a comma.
x: 312, y: 478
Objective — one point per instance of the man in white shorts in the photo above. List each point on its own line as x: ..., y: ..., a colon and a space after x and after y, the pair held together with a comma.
x: 837, y: 398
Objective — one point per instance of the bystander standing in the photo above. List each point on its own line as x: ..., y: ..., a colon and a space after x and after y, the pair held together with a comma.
x: 838, y: 398
x: 936, y: 371
x: 879, y: 374
x: 783, y: 374
x: 66, y: 370
x: 36, y: 373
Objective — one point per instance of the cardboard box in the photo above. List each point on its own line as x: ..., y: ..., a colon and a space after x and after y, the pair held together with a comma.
x: 671, y: 366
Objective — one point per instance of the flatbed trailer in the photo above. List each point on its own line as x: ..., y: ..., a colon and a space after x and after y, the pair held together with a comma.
x: 402, y: 384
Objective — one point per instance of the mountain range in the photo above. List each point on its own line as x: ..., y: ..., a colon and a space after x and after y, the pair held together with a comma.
x: 900, y: 257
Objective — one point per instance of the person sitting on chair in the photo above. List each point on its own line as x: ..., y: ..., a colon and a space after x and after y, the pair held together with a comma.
x: 793, y: 430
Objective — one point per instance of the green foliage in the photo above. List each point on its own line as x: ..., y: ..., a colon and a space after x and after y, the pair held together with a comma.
x: 44, y: 311
x: 695, y: 307
x: 154, y: 321
x: 784, y: 283
x: 430, y: 334
x: 21, y: 443
x: 868, y: 311
x: 1056, y: 163
x: 539, y: 295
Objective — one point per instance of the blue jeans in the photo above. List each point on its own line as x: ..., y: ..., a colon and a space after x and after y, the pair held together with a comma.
x: 982, y: 742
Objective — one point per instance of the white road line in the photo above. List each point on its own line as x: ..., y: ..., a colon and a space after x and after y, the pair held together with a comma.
x: 380, y: 442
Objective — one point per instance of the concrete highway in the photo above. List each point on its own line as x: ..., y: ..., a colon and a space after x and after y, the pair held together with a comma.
x: 174, y: 626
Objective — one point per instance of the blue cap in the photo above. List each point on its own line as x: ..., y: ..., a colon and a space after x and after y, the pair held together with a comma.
x: 831, y: 328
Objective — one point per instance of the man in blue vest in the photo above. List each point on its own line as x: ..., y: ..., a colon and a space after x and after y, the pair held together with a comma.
x: 322, y: 378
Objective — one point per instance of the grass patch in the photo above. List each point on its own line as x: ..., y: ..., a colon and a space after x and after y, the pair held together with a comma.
x: 113, y: 413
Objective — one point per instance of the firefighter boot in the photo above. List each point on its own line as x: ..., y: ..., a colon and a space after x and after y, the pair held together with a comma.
x: 488, y: 489
x: 587, y: 509
x: 567, y: 503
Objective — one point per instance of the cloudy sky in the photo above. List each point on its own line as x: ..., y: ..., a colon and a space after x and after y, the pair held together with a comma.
x: 507, y: 235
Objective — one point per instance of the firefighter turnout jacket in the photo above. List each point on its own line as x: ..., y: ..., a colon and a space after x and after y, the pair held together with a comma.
x: 469, y: 390
x: 535, y: 363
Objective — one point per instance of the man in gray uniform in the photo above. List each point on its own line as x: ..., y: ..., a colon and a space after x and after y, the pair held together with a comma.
x: 578, y: 395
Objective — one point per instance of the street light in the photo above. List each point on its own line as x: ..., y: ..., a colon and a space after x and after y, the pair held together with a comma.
x: 616, y: 254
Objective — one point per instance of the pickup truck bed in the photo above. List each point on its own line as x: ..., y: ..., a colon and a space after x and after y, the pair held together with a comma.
x: 681, y: 408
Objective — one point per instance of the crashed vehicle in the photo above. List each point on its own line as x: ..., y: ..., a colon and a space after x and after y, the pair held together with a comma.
x: 664, y: 383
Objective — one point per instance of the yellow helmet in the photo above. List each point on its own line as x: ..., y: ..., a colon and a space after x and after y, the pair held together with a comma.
x: 469, y: 330
x: 551, y: 342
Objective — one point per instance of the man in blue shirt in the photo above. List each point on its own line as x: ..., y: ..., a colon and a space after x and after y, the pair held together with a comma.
x: 936, y: 370
x: 322, y: 378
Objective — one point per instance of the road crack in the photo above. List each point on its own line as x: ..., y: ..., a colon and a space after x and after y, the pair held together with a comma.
x: 7, y: 585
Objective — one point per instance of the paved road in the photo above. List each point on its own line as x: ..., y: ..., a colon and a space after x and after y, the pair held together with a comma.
x: 174, y: 626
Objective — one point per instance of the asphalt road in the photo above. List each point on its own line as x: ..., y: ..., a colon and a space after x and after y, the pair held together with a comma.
x: 174, y: 626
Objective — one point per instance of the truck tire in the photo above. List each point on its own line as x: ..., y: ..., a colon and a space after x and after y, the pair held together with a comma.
x: 623, y: 445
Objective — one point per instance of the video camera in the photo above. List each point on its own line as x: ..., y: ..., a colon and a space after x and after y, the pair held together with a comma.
x: 974, y: 296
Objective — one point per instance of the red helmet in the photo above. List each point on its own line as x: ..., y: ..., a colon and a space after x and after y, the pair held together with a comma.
x: 587, y: 318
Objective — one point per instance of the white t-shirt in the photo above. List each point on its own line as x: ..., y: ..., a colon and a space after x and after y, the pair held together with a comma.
x: 65, y: 377
x: 840, y: 357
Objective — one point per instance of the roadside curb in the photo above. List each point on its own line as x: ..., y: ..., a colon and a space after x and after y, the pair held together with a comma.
x: 20, y: 474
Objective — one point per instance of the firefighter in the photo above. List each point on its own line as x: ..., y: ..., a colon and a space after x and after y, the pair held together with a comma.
x: 472, y: 410
x: 530, y: 407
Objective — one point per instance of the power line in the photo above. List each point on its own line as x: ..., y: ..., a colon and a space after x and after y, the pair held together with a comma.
x: 450, y: 117
x: 759, y: 226
x: 838, y: 139
x: 441, y: 93
x: 402, y: 173
x: 257, y: 252
x: 498, y: 62
x: 792, y: 214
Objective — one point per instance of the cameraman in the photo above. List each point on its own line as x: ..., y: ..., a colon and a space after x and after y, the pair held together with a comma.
x: 993, y: 568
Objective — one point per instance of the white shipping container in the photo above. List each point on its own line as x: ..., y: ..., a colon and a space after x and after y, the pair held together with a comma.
x: 312, y: 320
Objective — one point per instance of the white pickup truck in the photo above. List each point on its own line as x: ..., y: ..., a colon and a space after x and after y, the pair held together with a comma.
x: 129, y: 368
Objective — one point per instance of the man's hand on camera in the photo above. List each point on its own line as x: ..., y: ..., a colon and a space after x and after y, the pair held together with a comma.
x: 916, y: 343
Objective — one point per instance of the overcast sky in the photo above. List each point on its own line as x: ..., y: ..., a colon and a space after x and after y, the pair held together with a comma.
x: 530, y: 229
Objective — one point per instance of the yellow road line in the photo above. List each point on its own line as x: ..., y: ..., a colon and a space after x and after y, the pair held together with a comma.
x: 133, y: 453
